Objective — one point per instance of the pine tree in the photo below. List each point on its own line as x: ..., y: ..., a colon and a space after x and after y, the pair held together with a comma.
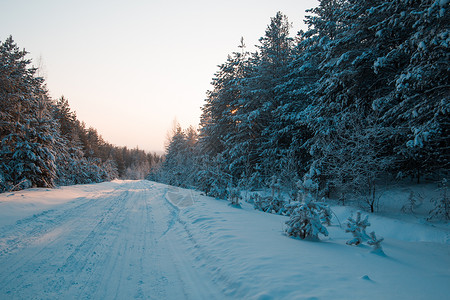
x: 222, y: 103
x: 179, y: 167
x: 224, y: 134
x: 376, y: 243
x: 357, y: 227
x: 441, y: 209
x: 367, y: 68
x: 275, y: 54
x: 69, y: 153
x: 305, y: 220
x: 28, y: 132
x: 418, y: 102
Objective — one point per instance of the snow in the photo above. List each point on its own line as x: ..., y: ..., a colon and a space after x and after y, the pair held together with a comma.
x: 145, y: 240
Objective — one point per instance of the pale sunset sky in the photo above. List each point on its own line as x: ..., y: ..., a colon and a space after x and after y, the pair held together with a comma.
x: 129, y: 68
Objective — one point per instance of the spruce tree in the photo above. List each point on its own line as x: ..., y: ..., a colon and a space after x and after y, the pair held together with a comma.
x: 275, y: 53
x: 224, y: 134
x: 28, y: 133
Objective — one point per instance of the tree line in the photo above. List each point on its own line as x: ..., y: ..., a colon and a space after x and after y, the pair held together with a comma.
x: 361, y: 96
x: 42, y: 142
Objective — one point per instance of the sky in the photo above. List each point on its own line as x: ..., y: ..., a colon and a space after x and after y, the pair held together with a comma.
x: 130, y: 68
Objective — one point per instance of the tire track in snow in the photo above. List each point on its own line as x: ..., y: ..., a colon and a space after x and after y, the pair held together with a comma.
x: 121, y: 267
x: 203, y: 259
x: 26, y: 259
x: 150, y: 276
x: 173, y: 214
x: 79, y: 260
x: 26, y: 230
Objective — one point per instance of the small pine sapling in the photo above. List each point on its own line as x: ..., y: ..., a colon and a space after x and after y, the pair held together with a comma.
x: 441, y: 208
x: 234, y: 195
x: 255, y: 199
x: 260, y: 203
x: 325, y: 213
x: 357, y: 228
x: 307, y: 218
x: 275, y: 186
x: 269, y: 204
x: 306, y: 215
x: 376, y: 243
x: 276, y: 206
x: 250, y: 198
x: 414, y: 202
x: 305, y: 221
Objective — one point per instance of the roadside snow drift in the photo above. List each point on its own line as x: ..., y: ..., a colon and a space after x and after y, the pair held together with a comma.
x: 144, y: 240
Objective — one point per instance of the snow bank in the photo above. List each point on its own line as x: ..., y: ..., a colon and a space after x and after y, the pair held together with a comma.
x: 249, y: 251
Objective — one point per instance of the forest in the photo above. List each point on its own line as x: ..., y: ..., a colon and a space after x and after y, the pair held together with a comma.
x: 319, y: 168
x: 358, y: 100
x: 42, y: 142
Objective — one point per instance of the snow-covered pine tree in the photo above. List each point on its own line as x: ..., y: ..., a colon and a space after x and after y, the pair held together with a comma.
x: 221, y: 103
x: 275, y: 53
x: 307, y: 216
x: 366, y: 53
x: 357, y: 227
x: 241, y: 152
x: 212, y: 177
x: 222, y: 132
x: 414, y: 201
x: 171, y: 168
x: 69, y: 152
x: 191, y: 157
x: 244, y: 97
x: 289, y: 127
x: 180, y: 166
x: 28, y: 132
x: 234, y: 195
x: 415, y: 61
x: 306, y: 220
x: 376, y: 243
x: 271, y: 204
x: 441, y: 209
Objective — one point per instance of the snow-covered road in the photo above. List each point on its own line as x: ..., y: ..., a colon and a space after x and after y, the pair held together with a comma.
x: 144, y: 240
x: 117, y: 243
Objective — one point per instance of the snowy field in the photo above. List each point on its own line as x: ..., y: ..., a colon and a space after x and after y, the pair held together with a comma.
x: 144, y: 240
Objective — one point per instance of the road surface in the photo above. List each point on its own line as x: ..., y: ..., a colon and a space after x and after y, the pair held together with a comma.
x: 119, y: 243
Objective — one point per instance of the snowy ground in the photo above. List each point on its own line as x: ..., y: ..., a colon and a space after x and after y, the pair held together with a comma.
x: 144, y: 240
